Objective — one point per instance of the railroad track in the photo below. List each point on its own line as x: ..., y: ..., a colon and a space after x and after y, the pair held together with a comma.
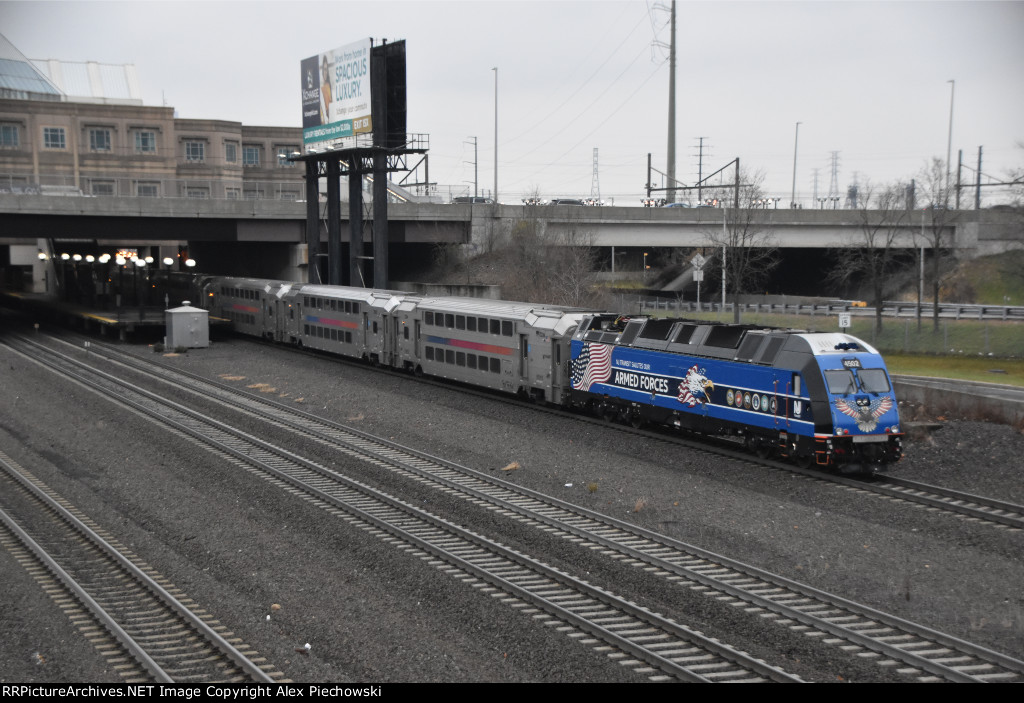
x: 146, y: 628
x: 978, y: 508
x: 974, y: 507
x: 917, y: 652
x: 634, y: 636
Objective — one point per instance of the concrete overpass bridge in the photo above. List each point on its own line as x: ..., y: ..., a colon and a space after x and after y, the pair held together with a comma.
x: 222, y: 228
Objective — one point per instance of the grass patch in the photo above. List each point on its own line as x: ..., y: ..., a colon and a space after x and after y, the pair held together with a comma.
x: 983, y: 369
x: 959, y: 338
x: 990, y: 351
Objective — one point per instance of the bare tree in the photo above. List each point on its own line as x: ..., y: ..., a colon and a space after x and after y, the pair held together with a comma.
x: 744, y: 239
x: 876, y: 252
x: 544, y: 262
x: 939, y: 218
x: 574, y: 274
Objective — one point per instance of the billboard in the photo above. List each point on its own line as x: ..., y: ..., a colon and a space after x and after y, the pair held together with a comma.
x: 336, y: 94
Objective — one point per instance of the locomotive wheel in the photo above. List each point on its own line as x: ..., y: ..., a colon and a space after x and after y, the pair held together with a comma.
x: 803, y: 461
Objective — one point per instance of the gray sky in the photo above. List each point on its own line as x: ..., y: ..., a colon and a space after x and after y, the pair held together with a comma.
x: 866, y: 79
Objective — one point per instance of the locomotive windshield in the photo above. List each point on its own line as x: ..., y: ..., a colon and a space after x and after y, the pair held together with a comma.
x: 873, y: 380
x: 842, y: 382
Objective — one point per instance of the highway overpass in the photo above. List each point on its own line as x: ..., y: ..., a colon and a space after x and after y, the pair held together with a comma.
x: 27, y: 220
x: 148, y: 219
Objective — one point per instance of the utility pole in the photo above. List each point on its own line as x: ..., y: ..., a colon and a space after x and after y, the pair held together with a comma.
x: 959, y: 170
x: 476, y: 163
x: 671, y: 194
x: 495, y: 196
x: 949, y: 141
x: 796, y: 140
x: 977, y: 184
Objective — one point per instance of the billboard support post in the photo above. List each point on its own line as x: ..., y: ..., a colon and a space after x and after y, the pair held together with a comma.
x: 381, y: 119
x: 333, y: 223
x: 354, y: 122
x: 355, y: 227
x: 312, y: 223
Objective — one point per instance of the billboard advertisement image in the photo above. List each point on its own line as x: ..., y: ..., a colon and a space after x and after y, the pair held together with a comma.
x: 336, y: 94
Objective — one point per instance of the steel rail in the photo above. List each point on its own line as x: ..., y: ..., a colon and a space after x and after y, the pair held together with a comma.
x: 359, y: 494
x: 808, y: 614
x: 33, y: 488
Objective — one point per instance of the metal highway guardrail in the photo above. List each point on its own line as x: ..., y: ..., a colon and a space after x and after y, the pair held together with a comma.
x: 947, y: 311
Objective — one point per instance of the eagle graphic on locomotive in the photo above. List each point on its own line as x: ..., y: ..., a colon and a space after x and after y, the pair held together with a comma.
x: 821, y: 398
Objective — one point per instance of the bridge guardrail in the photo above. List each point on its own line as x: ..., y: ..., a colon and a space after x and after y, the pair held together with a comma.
x: 954, y: 311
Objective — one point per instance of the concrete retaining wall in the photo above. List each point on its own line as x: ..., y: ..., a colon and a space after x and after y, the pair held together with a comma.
x: 987, y: 401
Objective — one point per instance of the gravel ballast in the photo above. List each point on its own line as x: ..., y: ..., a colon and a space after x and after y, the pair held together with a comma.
x: 238, y: 546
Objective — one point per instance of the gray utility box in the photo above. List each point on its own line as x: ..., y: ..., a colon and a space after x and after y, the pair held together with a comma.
x: 187, y: 327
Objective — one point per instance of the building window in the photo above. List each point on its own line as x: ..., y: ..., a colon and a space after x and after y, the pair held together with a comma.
x: 147, y: 189
x: 53, y: 138
x: 282, y: 156
x: 250, y: 155
x: 254, y: 194
x: 231, y: 152
x: 145, y: 142
x: 9, y: 136
x: 101, y: 187
x: 197, y: 192
x: 233, y: 193
x: 99, y: 140
x: 195, y: 152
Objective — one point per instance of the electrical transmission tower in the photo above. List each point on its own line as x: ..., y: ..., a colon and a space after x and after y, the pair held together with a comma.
x: 852, y: 192
x: 833, y: 186
x: 700, y: 168
x: 595, y: 182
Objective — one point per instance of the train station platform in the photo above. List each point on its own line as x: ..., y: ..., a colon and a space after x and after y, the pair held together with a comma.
x: 123, y: 322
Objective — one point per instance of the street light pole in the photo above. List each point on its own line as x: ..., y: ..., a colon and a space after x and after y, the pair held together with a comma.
x: 495, y: 69
x: 796, y: 139
x: 949, y: 141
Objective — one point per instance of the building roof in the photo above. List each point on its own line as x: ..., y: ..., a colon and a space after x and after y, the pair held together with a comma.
x: 89, y: 81
x: 20, y: 79
x: 69, y: 81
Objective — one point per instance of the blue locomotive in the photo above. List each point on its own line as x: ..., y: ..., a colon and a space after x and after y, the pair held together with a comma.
x: 812, y: 398
x: 823, y: 398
